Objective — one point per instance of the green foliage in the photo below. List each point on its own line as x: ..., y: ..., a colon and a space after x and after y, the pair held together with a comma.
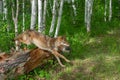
x: 6, y: 39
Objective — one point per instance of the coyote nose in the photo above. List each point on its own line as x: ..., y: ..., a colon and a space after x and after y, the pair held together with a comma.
x: 68, y: 48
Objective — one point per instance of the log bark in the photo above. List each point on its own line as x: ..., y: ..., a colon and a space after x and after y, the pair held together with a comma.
x: 22, y: 62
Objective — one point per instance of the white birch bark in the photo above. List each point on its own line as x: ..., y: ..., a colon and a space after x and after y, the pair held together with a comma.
x: 110, y: 10
x: 53, y: 18
x: 40, y: 23
x: 23, y: 23
x: 86, y: 6
x: 4, y: 10
x: 59, y: 18
x: 15, y: 20
x: 1, y: 7
x: 105, y: 13
x: 44, y: 13
x: 88, y: 13
x: 33, y: 14
x: 5, y: 14
x: 74, y: 7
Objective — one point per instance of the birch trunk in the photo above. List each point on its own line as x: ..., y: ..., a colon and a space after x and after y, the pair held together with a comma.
x: 4, y: 10
x: 5, y: 14
x: 86, y: 6
x: 1, y: 7
x: 44, y: 13
x: 40, y: 23
x: 53, y: 18
x: 105, y: 13
x: 23, y: 23
x: 33, y: 14
x: 74, y: 7
x: 59, y: 18
x: 15, y: 20
x: 110, y: 10
x: 88, y: 13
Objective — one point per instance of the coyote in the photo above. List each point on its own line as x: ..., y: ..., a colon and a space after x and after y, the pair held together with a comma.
x: 46, y: 43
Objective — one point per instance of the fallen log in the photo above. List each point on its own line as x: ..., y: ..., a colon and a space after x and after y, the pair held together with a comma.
x: 22, y: 63
x: 37, y: 58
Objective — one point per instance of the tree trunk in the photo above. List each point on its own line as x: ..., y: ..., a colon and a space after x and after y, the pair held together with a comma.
x: 53, y: 18
x: 18, y: 63
x: 40, y: 23
x: 59, y: 18
x: 1, y: 6
x: 33, y: 14
x: 4, y: 10
x: 15, y: 20
x: 5, y: 15
x: 88, y: 13
x: 44, y: 13
x: 105, y: 13
x: 23, y: 23
x: 74, y: 8
x: 110, y: 10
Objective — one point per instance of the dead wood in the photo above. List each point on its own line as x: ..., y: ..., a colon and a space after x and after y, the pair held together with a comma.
x: 21, y: 63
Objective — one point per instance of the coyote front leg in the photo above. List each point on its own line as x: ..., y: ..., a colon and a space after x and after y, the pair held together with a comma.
x: 57, y: 55
x: 61, y: 56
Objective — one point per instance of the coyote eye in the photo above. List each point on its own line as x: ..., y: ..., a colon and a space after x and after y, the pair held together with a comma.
x: 64, y: 43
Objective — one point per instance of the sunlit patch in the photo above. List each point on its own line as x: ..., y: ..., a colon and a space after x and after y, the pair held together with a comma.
x: 111, y: 32
x: 93, y: 40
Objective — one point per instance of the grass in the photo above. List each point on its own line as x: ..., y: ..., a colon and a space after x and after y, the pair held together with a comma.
x: 93, y: 58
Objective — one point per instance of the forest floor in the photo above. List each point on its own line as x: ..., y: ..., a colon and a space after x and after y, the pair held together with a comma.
x: 98, y: 59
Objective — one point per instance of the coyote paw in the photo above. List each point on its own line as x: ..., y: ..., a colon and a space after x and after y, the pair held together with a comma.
x: 68, y: 61
x: 62, y: 65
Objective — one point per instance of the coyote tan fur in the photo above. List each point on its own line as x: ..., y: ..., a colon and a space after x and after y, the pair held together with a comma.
x: 44, y: 42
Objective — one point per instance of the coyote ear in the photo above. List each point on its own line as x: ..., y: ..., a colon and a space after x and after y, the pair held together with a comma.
x: 62, y: 37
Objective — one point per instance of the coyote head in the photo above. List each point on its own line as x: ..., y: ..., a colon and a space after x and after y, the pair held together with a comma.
x: 62, y: 44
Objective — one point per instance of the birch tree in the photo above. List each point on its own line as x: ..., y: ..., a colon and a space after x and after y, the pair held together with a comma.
x: 5, y: 14
x: 53, y: 18
x: 110, y: 10
x: 105, y: 13
x: 23, y: 21
x: 44, y: 13
x: 88, y: 13
x: 40, y: 23
x: 74, y: 10
x: 59, y: 18
x: 4, y: 10
x: 74, y: 7
x: 15, y: 20
x: 1, y: 7
x: 33, y: 13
